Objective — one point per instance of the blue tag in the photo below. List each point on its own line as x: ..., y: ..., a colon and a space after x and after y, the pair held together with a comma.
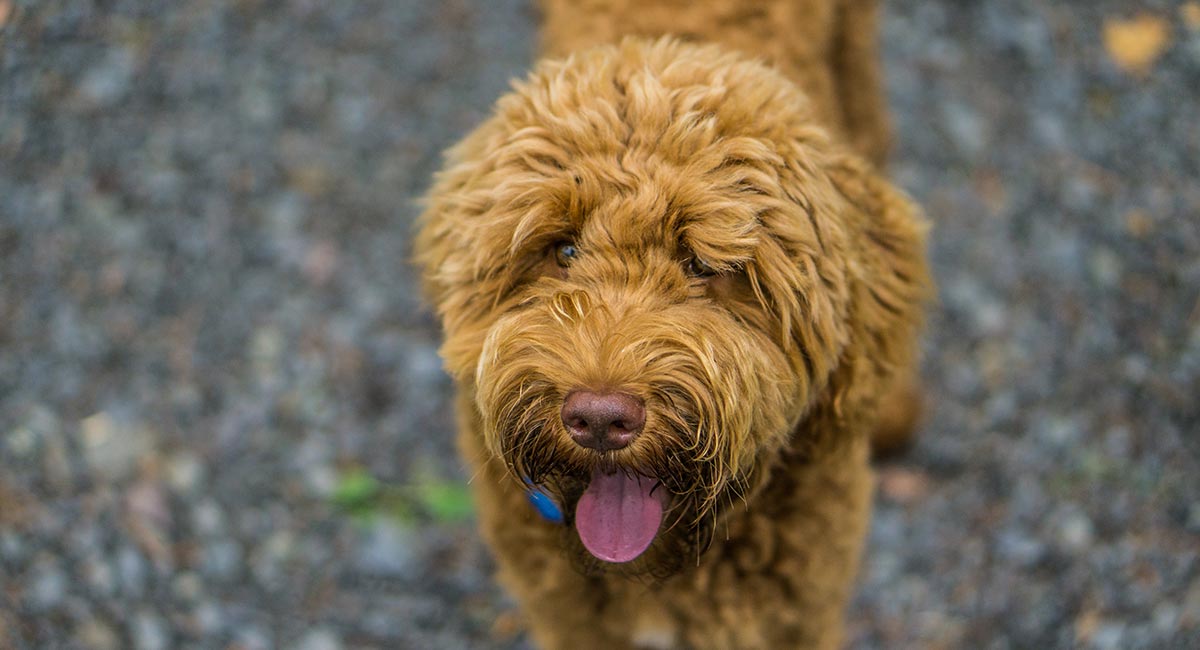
x: 545, y: 506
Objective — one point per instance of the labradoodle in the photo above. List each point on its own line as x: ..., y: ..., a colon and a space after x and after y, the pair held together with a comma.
x: 678, y: 298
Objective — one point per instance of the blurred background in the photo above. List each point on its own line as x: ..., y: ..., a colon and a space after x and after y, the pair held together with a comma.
x: 223, y: 421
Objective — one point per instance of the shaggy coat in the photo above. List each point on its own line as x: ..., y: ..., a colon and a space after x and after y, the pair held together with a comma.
x: 704, y: 232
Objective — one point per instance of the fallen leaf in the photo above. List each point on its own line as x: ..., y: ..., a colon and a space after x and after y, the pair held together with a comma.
x: 1135, y: 44
x: 1086, y: 625
x: 1138, y: 223
x: 1190, y: 12
x: 5, y: 11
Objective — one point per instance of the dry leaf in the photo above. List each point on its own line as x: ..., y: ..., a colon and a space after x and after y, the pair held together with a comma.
x: 5, y: 11
x: 1138, y: 223
x: 1190, y: 12
x: 1135, y: 44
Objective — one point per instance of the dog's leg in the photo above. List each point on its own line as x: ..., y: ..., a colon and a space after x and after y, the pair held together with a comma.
x: 900, y: 410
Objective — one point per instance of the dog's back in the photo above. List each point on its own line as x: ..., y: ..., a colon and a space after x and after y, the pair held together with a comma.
x: 828, y: 47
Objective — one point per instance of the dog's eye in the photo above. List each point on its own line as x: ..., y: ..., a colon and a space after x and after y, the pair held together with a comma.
x: 565, y: 253
x: 700, y: 269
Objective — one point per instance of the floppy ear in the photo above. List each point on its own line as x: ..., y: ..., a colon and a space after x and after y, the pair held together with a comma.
x: 888, y: 278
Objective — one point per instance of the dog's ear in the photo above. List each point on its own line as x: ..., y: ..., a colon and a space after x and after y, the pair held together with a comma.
x: 451, y: 248
x: 888, y: 277
x: 859, y: 246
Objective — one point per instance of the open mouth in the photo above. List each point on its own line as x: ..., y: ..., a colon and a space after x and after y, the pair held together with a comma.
x: 619, y: 515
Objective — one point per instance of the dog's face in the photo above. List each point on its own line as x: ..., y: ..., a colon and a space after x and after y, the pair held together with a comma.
x: 651, y: 266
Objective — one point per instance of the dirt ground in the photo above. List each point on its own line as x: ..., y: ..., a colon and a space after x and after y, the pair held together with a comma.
x: 223, y: 421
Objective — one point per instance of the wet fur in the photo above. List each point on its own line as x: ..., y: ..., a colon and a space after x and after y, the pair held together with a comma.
x: 762, y: 380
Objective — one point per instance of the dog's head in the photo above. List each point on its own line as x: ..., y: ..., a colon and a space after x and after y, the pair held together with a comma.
x: 653, y: 268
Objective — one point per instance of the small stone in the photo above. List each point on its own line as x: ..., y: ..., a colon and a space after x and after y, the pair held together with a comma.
x: 208, y: 519
x: 1020, y: 548
x: 253, y: 637
x: 1105, y: 267
x: 321, y: 638
x: 185, y: 472
x: 47, y: 586
x: 1059, y: 431
x: 222, y: 559
x: 131, y: 571
x: 1075, y: 531
x: 21, y: 442
x: 321, y: 481
x: 56, y: 463
x: 187, y: 587
x: 1193, y: 518
x: 112, y: 451
x: 965, y: 127
x: 209, y: 618
x: 271, y: 555
x: 386, y: 549
x: 149, y: 632
x: 12, y: 547
x: 1108, y: 636
x: 95, y: 634
x: 1190, y: 613
x: 903, y: 486
x: 1165, y: 617
x: 109, y: 80
x: 148, y: 520
x: 100, y: 576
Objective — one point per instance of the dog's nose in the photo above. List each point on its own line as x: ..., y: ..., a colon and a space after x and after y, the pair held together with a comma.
x: 603, y: 421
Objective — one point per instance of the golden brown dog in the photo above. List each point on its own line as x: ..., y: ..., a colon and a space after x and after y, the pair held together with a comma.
x: 675, y: 292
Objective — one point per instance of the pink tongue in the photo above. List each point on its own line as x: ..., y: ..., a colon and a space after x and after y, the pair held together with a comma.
x: 617, y: 517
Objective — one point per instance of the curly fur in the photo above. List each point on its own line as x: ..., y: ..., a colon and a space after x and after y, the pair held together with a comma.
x: 762, y: 376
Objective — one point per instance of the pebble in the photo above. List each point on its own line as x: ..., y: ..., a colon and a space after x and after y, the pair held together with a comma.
x: 1075, y: 531
x: 47, y: 585
x: 1019, y: 548
x: 319, y: 639
x: 12, y: 547
x: 187, y: 587
x: 1193, y: 518
x: 94, y: 634
x: 108, y: 81
x: 112, y: 450
x: 222, y: 559
x: 100, y: 577
x: 1105, y: 267
x: 965, y: 127
x: 253, y: 637
x: 209, y: 618
x: 386, y: 549
x: 185, y: 472
x: 131, y: 571
x: 268, y: 561
x: 208, y: 519
x: 149, y: 631
x: 1109, y: 636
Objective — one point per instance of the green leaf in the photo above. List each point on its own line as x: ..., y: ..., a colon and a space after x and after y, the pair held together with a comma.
x: 356, y: 490
x: 445, y: 501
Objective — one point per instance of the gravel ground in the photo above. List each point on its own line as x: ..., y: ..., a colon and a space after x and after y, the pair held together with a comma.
x: 223, y: 422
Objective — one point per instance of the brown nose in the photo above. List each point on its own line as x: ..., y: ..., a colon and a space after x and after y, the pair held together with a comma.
x: 603, y: 421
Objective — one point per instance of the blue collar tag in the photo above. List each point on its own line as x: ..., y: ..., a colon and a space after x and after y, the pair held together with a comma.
x: 545, y: 506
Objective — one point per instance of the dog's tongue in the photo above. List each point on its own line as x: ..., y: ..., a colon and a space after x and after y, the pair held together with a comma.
x: 617, y: 517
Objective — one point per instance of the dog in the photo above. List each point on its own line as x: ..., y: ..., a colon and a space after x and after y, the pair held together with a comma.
x: 678, y: 296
